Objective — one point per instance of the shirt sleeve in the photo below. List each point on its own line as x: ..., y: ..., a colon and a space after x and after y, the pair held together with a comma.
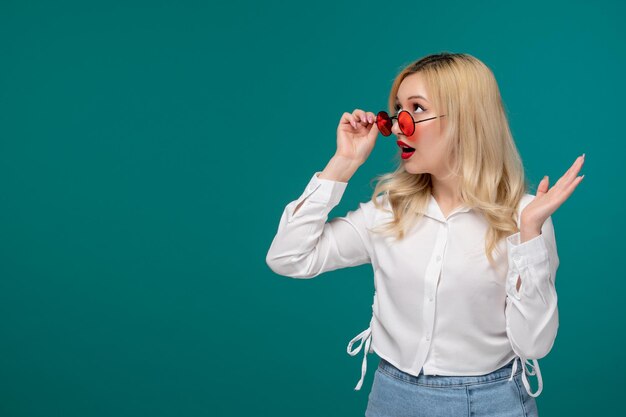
x: 532, y: 316
x: 306, y: 245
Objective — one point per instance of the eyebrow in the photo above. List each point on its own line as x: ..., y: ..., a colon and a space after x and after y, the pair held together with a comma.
x: 408, y: 98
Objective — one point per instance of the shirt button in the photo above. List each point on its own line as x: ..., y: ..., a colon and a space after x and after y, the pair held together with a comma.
x: 438, y: 258
x: 430, y: 298
x: 428, y: 338
x: 517, y: 257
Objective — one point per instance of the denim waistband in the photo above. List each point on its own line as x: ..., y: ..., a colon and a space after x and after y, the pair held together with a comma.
x: 448, y: 380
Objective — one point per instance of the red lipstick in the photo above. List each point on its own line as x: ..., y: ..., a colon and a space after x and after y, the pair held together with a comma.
x: 407, y: 151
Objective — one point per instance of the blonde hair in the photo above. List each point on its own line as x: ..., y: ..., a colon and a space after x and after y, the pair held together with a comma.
x: 479, y: 141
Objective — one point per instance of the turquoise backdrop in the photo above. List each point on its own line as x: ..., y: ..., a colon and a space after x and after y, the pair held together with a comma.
x: 147, y: 150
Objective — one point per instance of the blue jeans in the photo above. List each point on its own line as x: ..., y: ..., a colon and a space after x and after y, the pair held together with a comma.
x: 398, y: 394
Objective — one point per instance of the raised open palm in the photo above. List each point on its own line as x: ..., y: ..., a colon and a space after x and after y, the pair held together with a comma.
x: 547, y: 200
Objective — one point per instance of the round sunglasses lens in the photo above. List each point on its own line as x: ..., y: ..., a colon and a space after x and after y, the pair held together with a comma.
x: 383, y: 122
x: 406, y: 122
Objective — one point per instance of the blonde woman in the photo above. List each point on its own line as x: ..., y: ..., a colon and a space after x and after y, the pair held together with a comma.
x: 464, y: 259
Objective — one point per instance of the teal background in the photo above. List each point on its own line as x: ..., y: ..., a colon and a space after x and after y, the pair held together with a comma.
x: 147, y: 150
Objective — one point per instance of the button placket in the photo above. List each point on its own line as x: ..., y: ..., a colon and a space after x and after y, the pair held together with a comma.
x: 433, y: 272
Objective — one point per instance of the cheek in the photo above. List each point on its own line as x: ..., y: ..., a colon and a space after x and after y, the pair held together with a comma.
x: 427, y: 137
x: 425, y: 132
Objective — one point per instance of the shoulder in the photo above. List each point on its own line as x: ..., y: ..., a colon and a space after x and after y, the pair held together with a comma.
x: 372, y: 211
x: 382, y: 204
x: 380, y: 201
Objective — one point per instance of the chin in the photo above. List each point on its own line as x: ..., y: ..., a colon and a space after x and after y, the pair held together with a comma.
x: 414, y: 170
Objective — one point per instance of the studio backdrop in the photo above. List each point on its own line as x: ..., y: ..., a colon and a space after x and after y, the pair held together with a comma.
x: 148, y: 149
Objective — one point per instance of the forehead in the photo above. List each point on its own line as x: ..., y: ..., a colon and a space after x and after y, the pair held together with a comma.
x: 412, y: 85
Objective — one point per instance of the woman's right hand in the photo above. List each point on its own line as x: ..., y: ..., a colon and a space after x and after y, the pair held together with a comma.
x: 356, y: 135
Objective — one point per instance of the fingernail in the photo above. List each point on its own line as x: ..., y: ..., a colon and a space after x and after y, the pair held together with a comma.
x: 583, y: 156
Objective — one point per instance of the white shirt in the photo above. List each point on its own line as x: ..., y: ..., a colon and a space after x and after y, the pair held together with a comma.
x: 439, y: 306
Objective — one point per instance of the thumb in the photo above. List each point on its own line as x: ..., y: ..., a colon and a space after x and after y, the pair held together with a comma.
x: 543, y: 186
x: 373, y: 133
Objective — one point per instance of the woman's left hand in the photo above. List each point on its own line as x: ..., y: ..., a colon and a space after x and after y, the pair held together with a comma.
x: 547, y: 201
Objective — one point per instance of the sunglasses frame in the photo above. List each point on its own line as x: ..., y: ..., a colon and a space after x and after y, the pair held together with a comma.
x: 382, y: 115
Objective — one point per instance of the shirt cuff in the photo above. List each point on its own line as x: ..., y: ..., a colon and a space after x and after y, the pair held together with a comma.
x: 531, y: 252
x: 324, y: 191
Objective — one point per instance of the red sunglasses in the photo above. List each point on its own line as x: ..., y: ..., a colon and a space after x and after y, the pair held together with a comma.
x: 405, y: 121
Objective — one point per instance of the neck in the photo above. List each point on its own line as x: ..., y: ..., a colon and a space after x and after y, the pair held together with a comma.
x: 446, y: 189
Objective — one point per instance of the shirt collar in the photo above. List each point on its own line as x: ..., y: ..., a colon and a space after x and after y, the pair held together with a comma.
x: 434, y: 211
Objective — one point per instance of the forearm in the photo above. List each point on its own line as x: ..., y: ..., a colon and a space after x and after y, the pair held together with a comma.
x: 527, y: 233
x: 339, y: 169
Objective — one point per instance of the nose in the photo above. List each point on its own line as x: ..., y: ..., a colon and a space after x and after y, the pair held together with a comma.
x: 395, y: 127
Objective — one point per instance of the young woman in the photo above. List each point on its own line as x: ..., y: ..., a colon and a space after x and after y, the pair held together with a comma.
x: 464, y: 259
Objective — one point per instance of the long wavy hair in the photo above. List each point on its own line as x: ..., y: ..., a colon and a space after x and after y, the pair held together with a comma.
x: 478, y: 139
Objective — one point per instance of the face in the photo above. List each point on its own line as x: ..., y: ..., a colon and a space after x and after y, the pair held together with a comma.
x: 429, y: 156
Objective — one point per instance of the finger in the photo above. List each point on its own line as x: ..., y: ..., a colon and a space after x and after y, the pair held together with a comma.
x: 543, y: 186
x: 360, y: 116
x: 373, y: 133
x: 570, y: 189
x: 348, y: 118
x: 364, y: 118
x: 574, y: 169
x: 570, y: 174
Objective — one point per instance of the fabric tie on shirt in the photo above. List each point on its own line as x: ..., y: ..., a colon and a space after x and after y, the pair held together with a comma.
x: 525, y: 379
x: 364, y: 336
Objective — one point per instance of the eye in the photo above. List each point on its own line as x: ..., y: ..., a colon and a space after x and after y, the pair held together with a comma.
x: 414, y: 105
x: 417, y: 106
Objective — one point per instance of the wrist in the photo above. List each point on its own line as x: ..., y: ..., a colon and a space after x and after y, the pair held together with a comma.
x: 528, y: 233
x: 340, y: 168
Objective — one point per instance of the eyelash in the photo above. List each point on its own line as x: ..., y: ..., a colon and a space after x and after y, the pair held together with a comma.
x: 414, y: 105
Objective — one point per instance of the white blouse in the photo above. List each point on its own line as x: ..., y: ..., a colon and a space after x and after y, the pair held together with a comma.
x: 436, y: 298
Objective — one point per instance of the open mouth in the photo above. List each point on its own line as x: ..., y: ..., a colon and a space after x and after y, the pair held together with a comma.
x: 407, y: 151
